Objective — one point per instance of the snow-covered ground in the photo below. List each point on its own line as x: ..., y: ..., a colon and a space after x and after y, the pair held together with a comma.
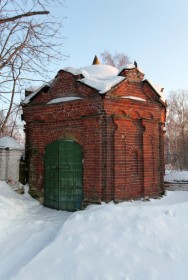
x: 176, y: 176
x: 127, y: 241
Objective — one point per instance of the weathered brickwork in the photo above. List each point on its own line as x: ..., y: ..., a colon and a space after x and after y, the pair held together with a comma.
x: 121, y: 138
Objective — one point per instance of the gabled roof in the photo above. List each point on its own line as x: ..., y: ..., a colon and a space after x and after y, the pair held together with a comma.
x: 100, y: 77
x: 158, y: 89
x: 36, y: 91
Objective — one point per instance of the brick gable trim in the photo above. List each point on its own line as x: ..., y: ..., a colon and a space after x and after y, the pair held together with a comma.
x: 155, y: 91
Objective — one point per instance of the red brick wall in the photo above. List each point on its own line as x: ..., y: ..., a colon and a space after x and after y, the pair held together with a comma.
x: 66, y: 121
x: 128, y: 159
x: 138, y: 147
x: 122, y: 139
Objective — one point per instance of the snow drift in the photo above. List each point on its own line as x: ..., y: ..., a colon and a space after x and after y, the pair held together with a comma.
x: 127, y: 241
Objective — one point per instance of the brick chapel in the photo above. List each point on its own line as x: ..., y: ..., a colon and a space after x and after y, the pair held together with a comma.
x: 95, y: 134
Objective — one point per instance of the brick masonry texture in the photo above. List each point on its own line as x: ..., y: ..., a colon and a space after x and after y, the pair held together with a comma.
x: 122, y: 139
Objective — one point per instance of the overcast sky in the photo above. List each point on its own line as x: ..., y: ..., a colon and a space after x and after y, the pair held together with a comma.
x: 152, y: 32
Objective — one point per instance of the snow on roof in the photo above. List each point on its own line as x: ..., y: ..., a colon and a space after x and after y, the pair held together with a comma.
x: 158, y: 89
x: 129, y: 67
x: 134, y: 98
x: 99, y: 71
x: 63, y: 99
x: 32, y: 88
x: 101, y: 77
x: 11, y: 143
x: 37, y: 89
x: 72, y: 70
x: 102, y: 85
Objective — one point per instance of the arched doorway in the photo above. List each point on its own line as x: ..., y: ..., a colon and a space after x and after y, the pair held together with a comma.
x: 63, y: 175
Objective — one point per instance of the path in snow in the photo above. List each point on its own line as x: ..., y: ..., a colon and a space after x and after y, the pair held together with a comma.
x: 25, y: 229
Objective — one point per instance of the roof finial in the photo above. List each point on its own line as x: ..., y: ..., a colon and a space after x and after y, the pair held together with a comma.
x: 96, y: 60
x: 135, y: 64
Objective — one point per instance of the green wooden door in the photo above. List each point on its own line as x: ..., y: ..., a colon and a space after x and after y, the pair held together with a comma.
x: 63, y: 175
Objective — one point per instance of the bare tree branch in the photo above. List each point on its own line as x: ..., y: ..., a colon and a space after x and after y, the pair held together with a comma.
x: 15, y: 78
x: 29, y: 14
x: 16, y: 50
x: 30, y: 39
